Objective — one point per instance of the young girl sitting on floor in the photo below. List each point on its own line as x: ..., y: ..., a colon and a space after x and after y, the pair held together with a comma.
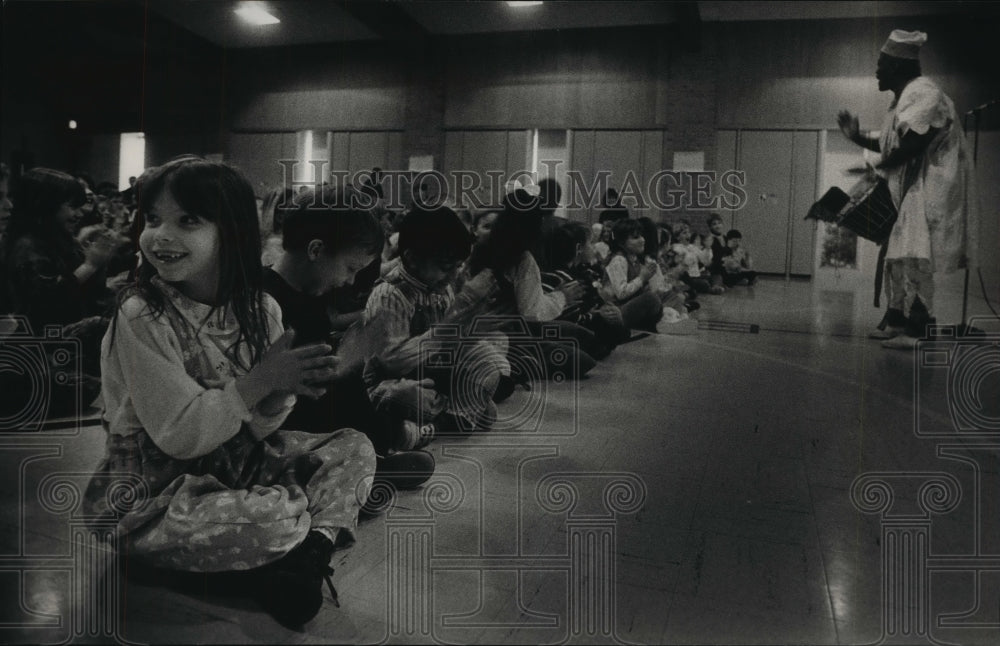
x: 56, y: 275
x: 695, y: 259
x: 673, y: 295
x: 506, y: 256
x: 632, y: 279
x: 197, y: 377
x: 736, y: 262
x: 482, y: 225
x: 572, y: 255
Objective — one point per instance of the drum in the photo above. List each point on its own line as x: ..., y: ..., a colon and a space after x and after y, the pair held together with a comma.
x: 867, y: 210
x: 870, y: 212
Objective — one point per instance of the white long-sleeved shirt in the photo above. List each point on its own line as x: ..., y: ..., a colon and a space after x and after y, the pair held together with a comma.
x: 145, y: 385
x: 532, y: 300
x: 693, y: 256
x: 620, y: 289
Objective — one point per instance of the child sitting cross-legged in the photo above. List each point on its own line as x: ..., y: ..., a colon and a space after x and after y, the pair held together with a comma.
x: 672, y: 294
x: 329, y: 239
x: 682, y: 298
x: 412, y: 391
x: 716, y: 241
x: 695, y: 258
x: 536, y: 335
x: 632, y: 280
x: 571, y: 252
x: 197, y: 376
x: 736, y: 262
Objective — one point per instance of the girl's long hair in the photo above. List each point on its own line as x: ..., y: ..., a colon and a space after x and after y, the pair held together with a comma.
x: 651, y: 234
x: 517, y: 229
x: 564, y: 241
x: 622, y: 231
x: 220, y: 194
x: 37, y: 198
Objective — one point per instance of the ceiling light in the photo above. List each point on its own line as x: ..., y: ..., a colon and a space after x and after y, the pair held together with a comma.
x: 524, y: 4
x: 256, y: 13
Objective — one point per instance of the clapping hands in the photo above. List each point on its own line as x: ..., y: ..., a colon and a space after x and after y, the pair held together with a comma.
x: 99, y: 244
x: 299, y: 371
x: 648, y: 270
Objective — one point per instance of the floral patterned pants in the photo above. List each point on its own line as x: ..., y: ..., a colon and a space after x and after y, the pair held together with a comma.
x: 244, y: 505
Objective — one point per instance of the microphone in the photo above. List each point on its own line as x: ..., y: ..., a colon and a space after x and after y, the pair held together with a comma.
x: 983, y: 106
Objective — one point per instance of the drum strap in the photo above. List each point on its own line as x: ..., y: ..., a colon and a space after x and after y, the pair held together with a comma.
x: 880, y: 271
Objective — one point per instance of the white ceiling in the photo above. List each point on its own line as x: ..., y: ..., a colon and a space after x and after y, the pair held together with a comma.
x: 325, y: 21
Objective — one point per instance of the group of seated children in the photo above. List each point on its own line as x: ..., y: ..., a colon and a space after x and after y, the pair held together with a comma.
x: 707, y: 265
x: 258, y: 406
x: 63, y: 249
x: 256, y: 425
x: 654, y: 273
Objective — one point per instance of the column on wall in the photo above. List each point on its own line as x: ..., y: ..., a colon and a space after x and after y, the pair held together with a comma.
x: 686, y: 96
x: 423, y: 119
x: 626, y: 160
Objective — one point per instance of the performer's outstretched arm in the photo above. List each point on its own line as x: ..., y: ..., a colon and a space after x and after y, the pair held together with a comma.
x: 849, y: 126
x: 911, y: 145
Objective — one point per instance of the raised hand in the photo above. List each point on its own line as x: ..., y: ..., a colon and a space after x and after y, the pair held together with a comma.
x: 99, y: 244
x: 648, y: 270
x: 848, y: 124
x: 475, y: 298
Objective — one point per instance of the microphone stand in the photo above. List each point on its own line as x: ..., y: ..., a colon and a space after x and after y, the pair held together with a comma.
x: 975, y: 112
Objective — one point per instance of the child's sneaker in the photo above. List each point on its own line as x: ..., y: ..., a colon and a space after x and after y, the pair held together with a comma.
x: 682, y: 327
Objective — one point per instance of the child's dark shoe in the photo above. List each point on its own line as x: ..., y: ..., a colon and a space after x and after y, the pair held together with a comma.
x: 291, y: 588
x: 405, y: 469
